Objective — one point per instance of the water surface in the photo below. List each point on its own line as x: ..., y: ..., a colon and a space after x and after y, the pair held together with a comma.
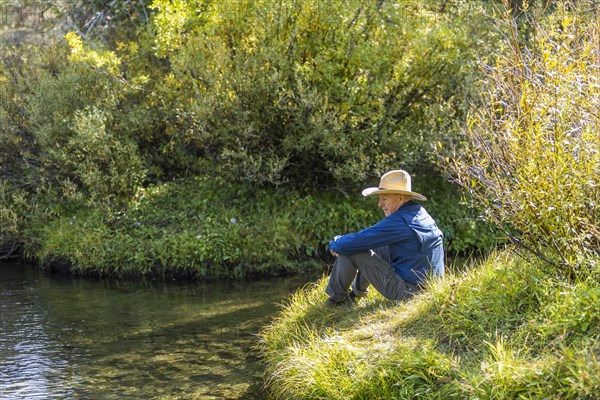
x: 80, y: 338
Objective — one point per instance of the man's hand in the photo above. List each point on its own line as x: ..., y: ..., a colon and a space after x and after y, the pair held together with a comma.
x: 333, y: 253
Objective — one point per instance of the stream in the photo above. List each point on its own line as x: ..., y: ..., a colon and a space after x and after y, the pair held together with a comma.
x: 75, y: 338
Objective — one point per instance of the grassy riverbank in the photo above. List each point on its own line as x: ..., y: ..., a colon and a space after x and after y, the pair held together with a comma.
x: 206, y: 228
x: 505, y: 328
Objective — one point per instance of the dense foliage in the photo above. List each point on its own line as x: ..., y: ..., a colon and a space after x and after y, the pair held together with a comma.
x: 315, y: 93
x: 197, y: 228
x: 533, y: 164
x: 307, y: 100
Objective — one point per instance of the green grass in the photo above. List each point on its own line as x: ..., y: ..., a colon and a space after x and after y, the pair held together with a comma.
x: 197, y: 227
x: 502, y: 329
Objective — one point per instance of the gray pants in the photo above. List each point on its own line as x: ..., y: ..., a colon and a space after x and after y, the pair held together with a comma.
x: 363, y: 269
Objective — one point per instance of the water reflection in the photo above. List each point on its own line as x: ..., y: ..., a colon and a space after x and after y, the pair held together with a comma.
x: 75, y: 338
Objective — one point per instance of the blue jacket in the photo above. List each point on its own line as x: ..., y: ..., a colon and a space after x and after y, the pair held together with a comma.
x: 415, y: 242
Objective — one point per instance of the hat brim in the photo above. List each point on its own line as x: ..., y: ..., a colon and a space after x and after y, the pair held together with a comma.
x: 372, y: 191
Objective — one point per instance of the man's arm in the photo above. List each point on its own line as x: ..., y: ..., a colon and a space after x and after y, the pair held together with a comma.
x: 390, y: 230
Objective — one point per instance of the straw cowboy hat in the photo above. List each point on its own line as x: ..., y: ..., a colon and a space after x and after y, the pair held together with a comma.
x: 394, y: 182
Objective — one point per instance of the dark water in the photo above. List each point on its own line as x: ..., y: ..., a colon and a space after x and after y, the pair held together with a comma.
x: 84, y: 339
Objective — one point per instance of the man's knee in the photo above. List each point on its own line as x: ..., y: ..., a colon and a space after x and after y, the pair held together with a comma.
x: 359, y: 258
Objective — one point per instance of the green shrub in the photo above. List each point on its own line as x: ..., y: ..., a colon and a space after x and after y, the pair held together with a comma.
x: 534, y: 162
x: 73, y: 117
x: 9, y: 231
x: 316, y: 94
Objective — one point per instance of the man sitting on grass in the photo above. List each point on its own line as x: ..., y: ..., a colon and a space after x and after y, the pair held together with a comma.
x: 395, y: 255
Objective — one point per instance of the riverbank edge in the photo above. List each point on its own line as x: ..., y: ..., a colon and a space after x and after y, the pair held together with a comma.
x: 62, y: 267
x: 502, y: 328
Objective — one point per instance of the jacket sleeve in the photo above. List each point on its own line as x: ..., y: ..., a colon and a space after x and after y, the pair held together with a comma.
x: 387, y: 231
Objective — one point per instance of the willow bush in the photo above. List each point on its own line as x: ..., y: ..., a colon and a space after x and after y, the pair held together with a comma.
x: 19, y: 151
x: 533, y: 165
x: 316, y: 93
x: 84, y: 148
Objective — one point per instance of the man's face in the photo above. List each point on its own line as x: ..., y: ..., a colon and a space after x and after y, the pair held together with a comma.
x: 390, y: 203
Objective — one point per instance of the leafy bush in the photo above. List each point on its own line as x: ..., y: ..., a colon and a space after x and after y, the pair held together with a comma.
x: 73, y: 117
x: 8, y: 231
x: 534, y: 163
x: 316, y: 94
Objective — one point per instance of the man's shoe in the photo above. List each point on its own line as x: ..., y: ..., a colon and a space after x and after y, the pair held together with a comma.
x: 353, y: 297
x: 347, y: 301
